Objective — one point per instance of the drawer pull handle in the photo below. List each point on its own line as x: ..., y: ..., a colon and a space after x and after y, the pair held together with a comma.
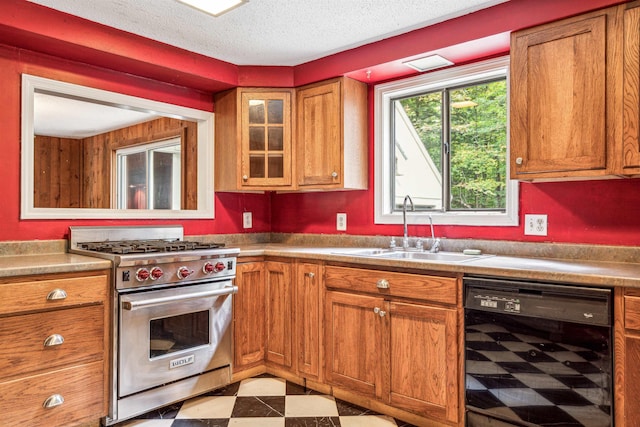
x: 379, y: 312
x: 53, y: 340
x: 383, y: 284
x: 310, y: 275
x: 53, y: 401
x: 57, y: 294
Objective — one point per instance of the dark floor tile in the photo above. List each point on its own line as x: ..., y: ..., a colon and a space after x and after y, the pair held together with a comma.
x: 294, y: 389
x: 164, y: 413
x: 545, y: 416
x: 349, y: 409
x: 401, y: 423
x: 229, y: 390
x: 312, y: 422
x: 201, y: 423
x: 564, y: 397
x: 263, y: 406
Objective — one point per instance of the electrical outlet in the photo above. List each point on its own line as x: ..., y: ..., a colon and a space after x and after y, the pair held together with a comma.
x: 535, y: 225
x: 247, y: 220
x: 341, y: 222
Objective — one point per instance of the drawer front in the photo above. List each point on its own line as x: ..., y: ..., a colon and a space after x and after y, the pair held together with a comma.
x: 53, y: 293
x: 23, y: 337
x: 81, y: 387
x: 429, y: 288
x: 632, y: 312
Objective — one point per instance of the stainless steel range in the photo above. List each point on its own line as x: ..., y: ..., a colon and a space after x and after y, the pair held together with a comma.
x: 172, y: 314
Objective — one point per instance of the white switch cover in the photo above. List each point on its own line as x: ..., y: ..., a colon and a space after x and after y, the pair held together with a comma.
x: 341, y: 222
x: 247, y: 220
x: 535, y: 225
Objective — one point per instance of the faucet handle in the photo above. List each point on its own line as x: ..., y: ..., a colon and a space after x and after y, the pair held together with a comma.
x: 392, y: 243
x: 435, y: 246
x: 419, y: 244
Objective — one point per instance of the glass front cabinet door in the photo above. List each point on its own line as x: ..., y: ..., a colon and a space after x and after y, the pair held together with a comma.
x: 266, y: 139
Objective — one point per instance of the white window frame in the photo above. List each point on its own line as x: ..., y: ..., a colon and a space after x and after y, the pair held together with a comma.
x: 383, y: 149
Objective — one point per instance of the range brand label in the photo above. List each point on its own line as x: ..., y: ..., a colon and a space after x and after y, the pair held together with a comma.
x: 183, y: 361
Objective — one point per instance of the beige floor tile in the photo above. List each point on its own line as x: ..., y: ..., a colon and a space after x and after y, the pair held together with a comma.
x: 262, y: 387
x: 367, y: 421
x: 207, y: 407
x: 310, y: 406
x: 254, y: 422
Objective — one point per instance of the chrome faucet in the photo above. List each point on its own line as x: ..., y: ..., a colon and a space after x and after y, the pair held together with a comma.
x: 435, y: 246
x: 405, y: 238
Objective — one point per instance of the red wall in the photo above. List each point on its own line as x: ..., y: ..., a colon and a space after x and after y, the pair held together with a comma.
x: 602, y: 212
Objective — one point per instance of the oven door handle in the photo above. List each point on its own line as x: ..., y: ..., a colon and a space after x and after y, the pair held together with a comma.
x: 134, y: 305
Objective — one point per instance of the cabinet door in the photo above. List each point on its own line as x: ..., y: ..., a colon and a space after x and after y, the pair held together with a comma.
x: 424, y: 360
x: 266, y: 139
x: 308, y: 317
x: 248, y: 315
x: 631, y: 91
x: 353, y: 344
x: 319, y: 141
x: 279, y: 318
x: 559, y: 99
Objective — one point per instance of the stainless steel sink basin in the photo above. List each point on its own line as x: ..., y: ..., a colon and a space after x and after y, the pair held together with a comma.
x: 428, y: 256
x: 410, y: 255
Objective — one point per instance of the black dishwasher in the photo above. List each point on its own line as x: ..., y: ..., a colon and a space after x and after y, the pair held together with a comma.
x: 537, y: 354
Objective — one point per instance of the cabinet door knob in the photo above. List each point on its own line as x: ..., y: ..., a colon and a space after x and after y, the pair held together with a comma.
x: 518, y: 160
x: 310, y: 275
x: 53, y: 401
x: 56, y: 294
x: 245, y: 178
x: 382, y: 284
x: 334, y: 174
x: 379, y: 312
x: 53, y: 340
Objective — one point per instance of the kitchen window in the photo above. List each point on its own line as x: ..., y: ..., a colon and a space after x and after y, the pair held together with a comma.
x: 442, y: 138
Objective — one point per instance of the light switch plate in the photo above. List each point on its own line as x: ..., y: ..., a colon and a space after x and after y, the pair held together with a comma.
x: 535, y: 225
x: 247, y: 220
x: 341, y: 222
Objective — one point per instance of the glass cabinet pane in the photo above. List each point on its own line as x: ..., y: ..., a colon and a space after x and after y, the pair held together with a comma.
x: 276, y: 142
x: 256, y: 166
x: 256, y: 138
x: 256, y: 111
x: 275, y: 108
x: 276, y: 166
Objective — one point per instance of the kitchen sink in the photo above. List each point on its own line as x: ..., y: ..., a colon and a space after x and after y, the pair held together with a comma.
x: 410, y: 255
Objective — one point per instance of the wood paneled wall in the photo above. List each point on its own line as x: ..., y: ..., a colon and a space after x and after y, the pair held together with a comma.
x: 72, y: 173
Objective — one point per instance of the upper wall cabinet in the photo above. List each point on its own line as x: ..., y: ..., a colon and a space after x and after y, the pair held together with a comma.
x: 253, y: 139
x: 574, y: 97
x: 262, y: 144
x: 332, y: 135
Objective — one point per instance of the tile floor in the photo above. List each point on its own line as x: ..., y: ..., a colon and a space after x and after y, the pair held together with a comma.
x: 263, y: 401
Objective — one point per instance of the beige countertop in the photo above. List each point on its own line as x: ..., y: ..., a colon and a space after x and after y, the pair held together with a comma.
x: 23, y: 265
x: 585, y: 272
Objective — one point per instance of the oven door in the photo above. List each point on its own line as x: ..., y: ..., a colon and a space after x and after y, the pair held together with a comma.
x: 170, y: 334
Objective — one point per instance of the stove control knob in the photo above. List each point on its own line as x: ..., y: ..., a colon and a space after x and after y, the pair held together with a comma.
x: 208, y: 268
x: 156, y: 273
x: 184, y: 272
x: 142, y: 274
x: 219, y: 267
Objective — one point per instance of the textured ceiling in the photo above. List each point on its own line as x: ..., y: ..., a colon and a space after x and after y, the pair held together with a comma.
x: 270, y: 32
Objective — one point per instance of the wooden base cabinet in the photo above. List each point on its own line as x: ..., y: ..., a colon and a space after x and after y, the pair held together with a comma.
x: 308, y: 318
x: 53, y: 361
x: 403, y: 353
x: 278, y: 313
x: 627, y: 356
x: 249, y: 316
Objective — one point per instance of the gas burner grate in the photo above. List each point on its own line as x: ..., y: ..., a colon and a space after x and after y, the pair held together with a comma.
x: 146, y: 246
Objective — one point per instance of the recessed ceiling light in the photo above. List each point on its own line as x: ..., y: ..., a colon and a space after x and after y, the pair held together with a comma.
x: 214, y: 7
x: 428, y: 63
